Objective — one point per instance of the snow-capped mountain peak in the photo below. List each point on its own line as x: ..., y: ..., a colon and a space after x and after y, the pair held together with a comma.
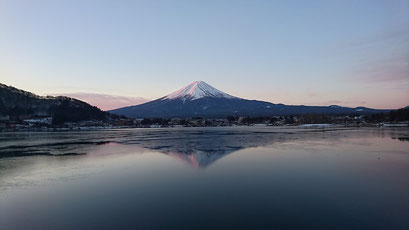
x: 197, y: 90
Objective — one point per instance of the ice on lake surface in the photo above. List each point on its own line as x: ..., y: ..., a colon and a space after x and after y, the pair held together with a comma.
x: 206, y: 178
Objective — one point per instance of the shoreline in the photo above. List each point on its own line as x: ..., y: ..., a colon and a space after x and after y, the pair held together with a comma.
x: 300, y: 126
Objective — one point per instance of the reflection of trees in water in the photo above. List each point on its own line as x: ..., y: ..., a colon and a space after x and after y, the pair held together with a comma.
x: 402, y: 138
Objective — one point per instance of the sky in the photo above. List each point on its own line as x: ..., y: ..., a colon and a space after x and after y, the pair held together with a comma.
x: 349, y: 53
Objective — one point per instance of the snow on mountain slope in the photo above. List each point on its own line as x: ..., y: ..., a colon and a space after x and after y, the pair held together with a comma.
x: 197, y: 90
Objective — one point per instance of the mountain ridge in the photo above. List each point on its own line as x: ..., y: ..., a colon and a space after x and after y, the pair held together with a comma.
x: 16, y: 103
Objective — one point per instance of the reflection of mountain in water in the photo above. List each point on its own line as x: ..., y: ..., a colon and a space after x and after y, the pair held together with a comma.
x: 202, y: 148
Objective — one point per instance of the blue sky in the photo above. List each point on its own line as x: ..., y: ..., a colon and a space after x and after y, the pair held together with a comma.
x: 294, y: 52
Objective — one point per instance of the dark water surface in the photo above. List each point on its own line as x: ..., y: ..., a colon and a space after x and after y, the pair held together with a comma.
x: 206, y: 178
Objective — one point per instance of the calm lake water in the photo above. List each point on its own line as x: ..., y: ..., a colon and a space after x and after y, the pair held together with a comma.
x: 206, y: 178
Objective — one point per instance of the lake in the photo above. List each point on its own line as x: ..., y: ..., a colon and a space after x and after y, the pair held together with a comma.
x: 206, y: 178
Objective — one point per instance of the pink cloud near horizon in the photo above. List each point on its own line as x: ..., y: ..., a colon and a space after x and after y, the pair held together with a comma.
x: 106, y: 101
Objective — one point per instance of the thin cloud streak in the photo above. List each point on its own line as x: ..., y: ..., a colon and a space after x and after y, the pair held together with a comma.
x: 106, y: 101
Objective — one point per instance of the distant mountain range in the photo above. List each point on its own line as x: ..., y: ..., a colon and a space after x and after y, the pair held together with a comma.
x: 199, y: 99
x: 19, y: 103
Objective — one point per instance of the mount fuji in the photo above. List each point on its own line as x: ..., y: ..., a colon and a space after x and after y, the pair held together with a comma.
x: 200, y: 99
